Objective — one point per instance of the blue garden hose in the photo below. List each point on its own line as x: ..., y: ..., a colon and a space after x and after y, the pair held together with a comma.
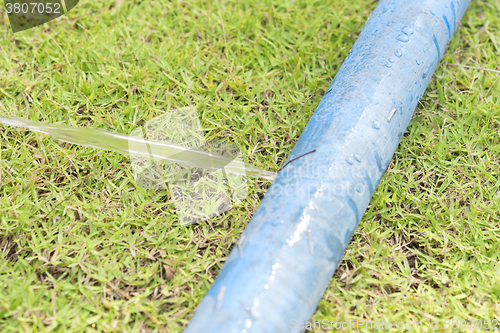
x: 280, y: 267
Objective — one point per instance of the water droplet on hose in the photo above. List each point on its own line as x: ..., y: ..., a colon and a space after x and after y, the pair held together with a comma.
x: 407, y: 31
x: 398, y: 53
x: 388, y: 65
x: 357, y: 157
x: 350, y: 160
x: 403, y: 38
x: 376, y: 124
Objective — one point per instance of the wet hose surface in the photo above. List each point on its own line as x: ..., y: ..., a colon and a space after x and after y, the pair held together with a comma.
x: 283, y: 262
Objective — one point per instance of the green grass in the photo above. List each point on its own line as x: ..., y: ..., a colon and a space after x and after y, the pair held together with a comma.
x: 85, y: 249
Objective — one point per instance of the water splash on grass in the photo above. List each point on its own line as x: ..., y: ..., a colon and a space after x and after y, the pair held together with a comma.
x: 170, y: 151
x: 120, y: 143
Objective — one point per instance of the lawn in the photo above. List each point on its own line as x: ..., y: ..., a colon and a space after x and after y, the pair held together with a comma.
x: 84, y: 248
